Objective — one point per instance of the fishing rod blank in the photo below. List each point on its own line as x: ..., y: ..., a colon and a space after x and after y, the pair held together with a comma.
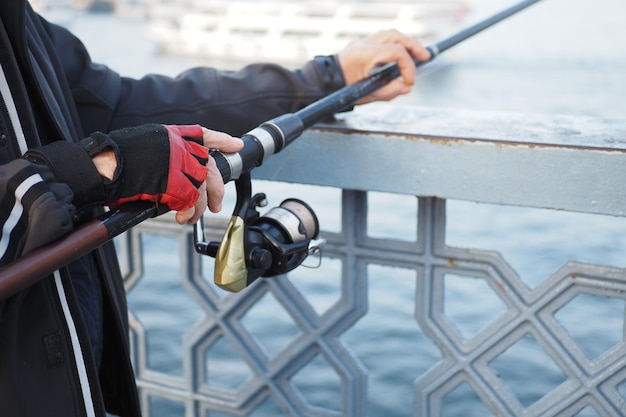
x: 451, y: 41
x: 272, y: 136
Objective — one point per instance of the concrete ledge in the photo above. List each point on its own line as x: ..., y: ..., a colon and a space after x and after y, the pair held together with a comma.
x: 560, y: 162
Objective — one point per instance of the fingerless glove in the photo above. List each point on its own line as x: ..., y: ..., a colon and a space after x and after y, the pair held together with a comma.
x: 160, y: 163
x: 164, y: 164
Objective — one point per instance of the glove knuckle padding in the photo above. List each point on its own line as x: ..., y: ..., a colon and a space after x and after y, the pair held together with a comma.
x: 50, y: 218
x: 158, y: 164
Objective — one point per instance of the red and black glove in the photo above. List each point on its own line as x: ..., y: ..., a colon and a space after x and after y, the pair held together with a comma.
x: 160, y: 163
x: 163, y: 164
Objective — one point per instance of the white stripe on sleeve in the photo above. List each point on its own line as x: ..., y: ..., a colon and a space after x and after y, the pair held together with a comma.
x: 16, y: 211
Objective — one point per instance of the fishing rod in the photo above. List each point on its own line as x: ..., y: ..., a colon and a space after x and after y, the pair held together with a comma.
x: 253, y: 245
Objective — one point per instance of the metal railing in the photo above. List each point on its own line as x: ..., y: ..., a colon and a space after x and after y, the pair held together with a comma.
x: 422, y: 304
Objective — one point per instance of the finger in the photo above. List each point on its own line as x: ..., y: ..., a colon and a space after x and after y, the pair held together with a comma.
x: 214, y: 187
x: 406, y: 65
x: 193, y: 214
x: 200, y: 205
x: 184, y: 216
x: 189, y: 132
x: 409, y: 50
x: 419, y: 52
x: 413, y: 46
x: 222, y: 141
x: 397, y: 53
x: 388, y: 92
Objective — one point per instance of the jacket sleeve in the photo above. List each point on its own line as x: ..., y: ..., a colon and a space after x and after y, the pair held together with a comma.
x: 41, y: 194
x: 34, y: 209
x: 230, y: 101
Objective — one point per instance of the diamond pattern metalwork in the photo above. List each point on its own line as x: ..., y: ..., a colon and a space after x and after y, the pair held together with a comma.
x: 530, y: 324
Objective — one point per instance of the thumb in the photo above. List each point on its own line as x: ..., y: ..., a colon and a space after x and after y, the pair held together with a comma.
x: 214, y: 139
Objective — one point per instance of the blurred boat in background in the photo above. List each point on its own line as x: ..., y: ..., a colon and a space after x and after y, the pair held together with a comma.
x: 288, y: 31
x: 278, y: 30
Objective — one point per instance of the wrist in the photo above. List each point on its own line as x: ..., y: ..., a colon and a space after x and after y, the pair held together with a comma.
x: 105, y: 163
x: 331, y: 73
x: 71, y: 164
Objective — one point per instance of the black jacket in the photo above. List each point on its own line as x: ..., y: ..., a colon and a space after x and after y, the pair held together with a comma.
x: 58, y: 358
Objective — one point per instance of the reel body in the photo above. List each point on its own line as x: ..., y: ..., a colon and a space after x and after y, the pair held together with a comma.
x: 256, y: 245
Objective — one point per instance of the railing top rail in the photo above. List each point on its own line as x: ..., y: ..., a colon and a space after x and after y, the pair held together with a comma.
x: 493, y: 126
x: 572, y: 163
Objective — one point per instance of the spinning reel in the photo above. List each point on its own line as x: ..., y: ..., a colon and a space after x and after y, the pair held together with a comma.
x: 257, y: 245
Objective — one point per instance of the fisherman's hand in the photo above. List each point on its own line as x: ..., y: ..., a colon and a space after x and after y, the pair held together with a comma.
x: 169, y: 165
x: 361, y: 56
x: 212, y: 189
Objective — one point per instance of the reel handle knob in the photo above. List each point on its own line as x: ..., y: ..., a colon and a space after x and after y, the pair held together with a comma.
x: 261, y: 259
